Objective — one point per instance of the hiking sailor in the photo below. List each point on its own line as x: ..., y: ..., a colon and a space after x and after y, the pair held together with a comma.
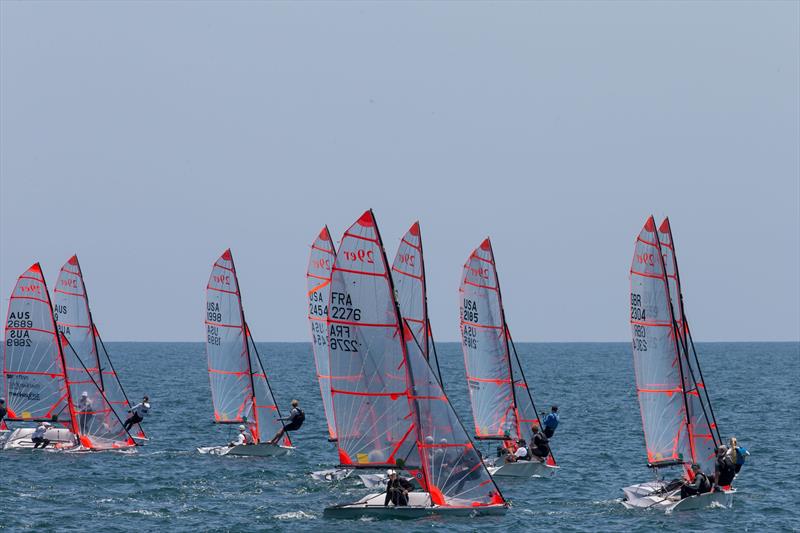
x: 540, y: 447
x: 38, y: 435
x: 294, y: 421
x: 138, y: 412
x: 550, y: 422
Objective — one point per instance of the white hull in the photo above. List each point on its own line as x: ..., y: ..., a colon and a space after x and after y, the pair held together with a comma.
x: 332, y: 474
x: 419, y: 505
x: 523, y: 469
x: 248, y: 450
x: 60, y: 439
x: 650, y: 496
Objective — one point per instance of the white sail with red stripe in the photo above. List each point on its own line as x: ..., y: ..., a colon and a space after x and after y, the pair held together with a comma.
x: 502, y: 405
x: 239, y: 387
x: 703, y: 433
x: 74, y: 319
x: 318, y: 285
x: 408, y: 274
x: 33, y: 366
x: 390, y: 409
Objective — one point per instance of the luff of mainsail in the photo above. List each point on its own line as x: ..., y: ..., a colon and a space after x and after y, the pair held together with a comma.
x: 318, y: 285
x: 239, y: 388
x: 74, y: 319
x: 408, y: 275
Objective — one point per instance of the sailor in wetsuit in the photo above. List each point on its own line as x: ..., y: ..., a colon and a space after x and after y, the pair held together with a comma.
x: 550, y: 422
x: 138, y: 412
x: 540, y: 446
x: 724, y: 468
x: 293, y: 421
x: 397, y: 490
x: 699, y: 485
x: 3, y: 411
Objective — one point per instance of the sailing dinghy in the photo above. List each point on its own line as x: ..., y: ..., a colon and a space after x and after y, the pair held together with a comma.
x: 74, y: 319
x: 502, y: 403
x: 390, y: 410
x: 46, y: 380
x: 678, y: 420
x: 240, y: 390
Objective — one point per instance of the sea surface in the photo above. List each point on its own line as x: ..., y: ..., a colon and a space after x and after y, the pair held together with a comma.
x: 169, y: 486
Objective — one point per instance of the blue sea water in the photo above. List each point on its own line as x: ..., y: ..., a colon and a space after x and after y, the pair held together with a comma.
x: 167, y: 485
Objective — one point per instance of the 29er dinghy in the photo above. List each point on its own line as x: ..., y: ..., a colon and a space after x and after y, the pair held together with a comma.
x: 679, y: 423
x: 46, y: 380
x: 240, y: 390
x: 74, y: 319
x: 390, y: 410
x: 502, y: 404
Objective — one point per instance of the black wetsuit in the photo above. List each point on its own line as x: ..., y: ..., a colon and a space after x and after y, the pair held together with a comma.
x: 3, y: 413
x: 725, y: 471
x: 394, y: 491
x: 540, y: 446
x: 700, y: 485
x: 294, y: 420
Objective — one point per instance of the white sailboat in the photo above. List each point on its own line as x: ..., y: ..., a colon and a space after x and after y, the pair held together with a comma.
x: 678, y: 420
x: 390, y: 410
x: 240, y: 389
x: 502, y: 403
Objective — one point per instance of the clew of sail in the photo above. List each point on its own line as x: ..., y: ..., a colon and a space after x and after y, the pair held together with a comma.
x: 74, y: 319
x: 318, y: 279
x: 656, y: 355
x: 408, y: 275
x: 33, y: 372
x: 704, y: 435
x: 374, y: 420
x: 486, y: 349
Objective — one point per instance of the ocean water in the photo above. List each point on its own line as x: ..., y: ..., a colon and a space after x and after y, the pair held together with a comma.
x: 167, y: 485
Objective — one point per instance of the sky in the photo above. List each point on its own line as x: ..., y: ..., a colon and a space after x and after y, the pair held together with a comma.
x: 148, y: 137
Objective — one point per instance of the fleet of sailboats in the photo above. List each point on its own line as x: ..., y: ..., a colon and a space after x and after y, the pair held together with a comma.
x: 379, y: 376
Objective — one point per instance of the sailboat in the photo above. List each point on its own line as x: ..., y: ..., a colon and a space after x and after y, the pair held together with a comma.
x: 240, y: 390
x: 46, y: 380
x: 390, y: 410
x: 408, y: 275
x: 318, y: 281
x: 74, y: 319
x: 679, y: 423
x: 502, y: 403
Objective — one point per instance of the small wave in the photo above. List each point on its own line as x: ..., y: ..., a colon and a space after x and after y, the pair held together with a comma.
x: 294, y: 515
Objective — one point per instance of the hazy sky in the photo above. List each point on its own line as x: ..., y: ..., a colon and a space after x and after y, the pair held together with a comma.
x: 148, y: 137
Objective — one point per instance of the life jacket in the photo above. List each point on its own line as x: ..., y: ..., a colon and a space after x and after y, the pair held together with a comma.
x: 301, y: 417
x: 726, y: 470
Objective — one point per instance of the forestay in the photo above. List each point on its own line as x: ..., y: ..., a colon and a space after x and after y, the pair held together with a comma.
x: 408, y: 274
x: 704, y: 435
x: 374, y: 420
x: 34, y: 377
x: 74, y: 319
x: 657, y: 361
x: 239, y: 388
x: 318, y: 280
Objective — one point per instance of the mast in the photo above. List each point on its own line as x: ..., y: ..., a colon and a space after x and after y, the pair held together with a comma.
x: 426, y: 321
x: 264, y: 370
x: 245, y: 334
x: 409, y: 371
x: 506, y: 339
x: 687, y: 337
x: 676, y: 333
x: 91, y: 324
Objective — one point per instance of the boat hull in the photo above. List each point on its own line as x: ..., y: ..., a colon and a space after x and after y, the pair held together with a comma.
x: 419, y: 506
x: 332, y: 474
x: 20, y: 439
x: 248, y: 450
x: 523, y: 469
x: 651, y: 496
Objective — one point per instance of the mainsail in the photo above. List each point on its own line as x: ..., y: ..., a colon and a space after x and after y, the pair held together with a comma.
x: 389, y: 406
x: 240, y: 390
x: 408, y: 274
x: 74, y: 319
x: 318, y: 281
x: 44, y: 377
x: 502, y: 405
x: 676, y: 427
